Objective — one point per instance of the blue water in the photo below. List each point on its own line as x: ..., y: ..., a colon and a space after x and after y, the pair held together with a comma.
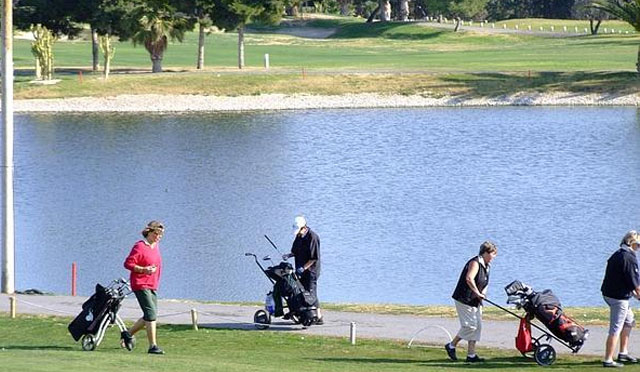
x: 400, y: 198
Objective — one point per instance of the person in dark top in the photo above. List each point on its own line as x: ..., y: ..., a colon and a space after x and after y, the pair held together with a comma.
x: 468, y: 294
x: 620, y: 282
x: 306, y: 251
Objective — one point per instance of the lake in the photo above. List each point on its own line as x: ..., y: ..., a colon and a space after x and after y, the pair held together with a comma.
x: 400, y: 198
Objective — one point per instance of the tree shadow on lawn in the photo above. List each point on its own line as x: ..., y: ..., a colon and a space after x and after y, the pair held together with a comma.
x: 495, y: 84
x: 386, y: 30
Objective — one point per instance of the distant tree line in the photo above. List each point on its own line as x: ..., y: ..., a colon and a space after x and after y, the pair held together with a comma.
x: 149, y: 23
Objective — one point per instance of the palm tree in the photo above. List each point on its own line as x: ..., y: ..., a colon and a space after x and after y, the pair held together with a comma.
x: 625, y: 10
x: 155, y: 28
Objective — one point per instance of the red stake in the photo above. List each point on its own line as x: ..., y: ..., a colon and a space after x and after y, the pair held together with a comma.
x: 74, y: 273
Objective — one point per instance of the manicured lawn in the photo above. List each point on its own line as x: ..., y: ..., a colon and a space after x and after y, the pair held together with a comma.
x: 389, y: 58
x: 31, y: 343
x: 357, y: 46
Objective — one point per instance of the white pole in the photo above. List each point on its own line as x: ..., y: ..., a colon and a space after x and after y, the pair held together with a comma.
x: 266, y: 61
x: 352, y: 333
x: 8, y: 247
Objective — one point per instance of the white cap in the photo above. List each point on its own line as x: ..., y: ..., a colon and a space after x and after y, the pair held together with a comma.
x: 299, y: 223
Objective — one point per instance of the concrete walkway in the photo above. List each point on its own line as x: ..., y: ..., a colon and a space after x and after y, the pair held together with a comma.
x: 426, y: 330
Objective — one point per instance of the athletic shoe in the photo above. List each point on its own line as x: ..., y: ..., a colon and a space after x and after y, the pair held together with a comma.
x: 451, y: 351
x: 612, y: 364
x: 319, y: 321
x: 626, y: 358
x: 155, y: 350
x: 126, y: 340
x: 474, y: 359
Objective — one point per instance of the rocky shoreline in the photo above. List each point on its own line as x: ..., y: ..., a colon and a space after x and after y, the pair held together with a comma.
x: 268, y: 102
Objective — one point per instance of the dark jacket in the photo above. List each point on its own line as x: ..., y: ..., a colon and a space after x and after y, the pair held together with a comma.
x: 621, y: 274
x: 305, y: 249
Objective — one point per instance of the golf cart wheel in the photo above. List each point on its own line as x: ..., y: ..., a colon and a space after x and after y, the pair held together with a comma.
x: 545, y: 355
x: 261, y: 319
x: 88, y: 343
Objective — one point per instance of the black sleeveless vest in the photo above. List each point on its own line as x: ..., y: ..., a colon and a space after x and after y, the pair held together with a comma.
x: 463, y: 293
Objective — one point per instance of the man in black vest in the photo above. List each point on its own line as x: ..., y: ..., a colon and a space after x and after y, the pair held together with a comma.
x: 306, y: 250
x: 620, y: 282
x: 468, y: 295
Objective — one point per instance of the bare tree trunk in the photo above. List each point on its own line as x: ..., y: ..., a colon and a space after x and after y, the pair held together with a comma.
x: 458, y: 20
x: 200, y: 63
x: 385, y: 11
x: 107, y: 67
x: 403, y: 15
x: 373, y: 14
x: 94, y: 49
x: 241, y: 47
x: 38, y: 70
x: 344, y: 7
x: 156, y: 63
x: 292, y: 10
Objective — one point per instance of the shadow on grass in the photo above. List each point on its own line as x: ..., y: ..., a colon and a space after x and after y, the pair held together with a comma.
x: 514, y: 362
x: 286, y: 327
x: 387, y: 30
x: 36, y: 347
x: 495, y: 84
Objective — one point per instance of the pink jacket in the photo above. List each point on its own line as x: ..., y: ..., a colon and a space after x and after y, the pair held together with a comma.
x: 143, y: 255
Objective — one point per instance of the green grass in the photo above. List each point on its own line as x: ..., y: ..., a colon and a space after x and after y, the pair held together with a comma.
x: 388, y: 58
x: 368, y: 47
x: 32, y: 343
x: 255, y: 82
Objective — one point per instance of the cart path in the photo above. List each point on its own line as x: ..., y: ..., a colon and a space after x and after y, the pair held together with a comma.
x: 497, y: 334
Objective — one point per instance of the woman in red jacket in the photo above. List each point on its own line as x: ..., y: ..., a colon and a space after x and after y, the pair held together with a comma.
x: 145, y: 264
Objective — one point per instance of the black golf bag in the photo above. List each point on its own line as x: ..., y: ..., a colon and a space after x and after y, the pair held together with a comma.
x: 546, y: 307
x: 299, y: 302
x: 98, y: 313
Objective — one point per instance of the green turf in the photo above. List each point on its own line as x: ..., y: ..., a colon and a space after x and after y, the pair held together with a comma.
x: 360, y: 46
x: 31, y: 343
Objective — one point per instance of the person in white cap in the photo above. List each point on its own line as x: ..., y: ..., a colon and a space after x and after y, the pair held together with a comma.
x: 306, y: 250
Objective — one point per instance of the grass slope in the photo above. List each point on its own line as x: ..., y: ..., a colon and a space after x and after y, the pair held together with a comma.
x: 42, y: 344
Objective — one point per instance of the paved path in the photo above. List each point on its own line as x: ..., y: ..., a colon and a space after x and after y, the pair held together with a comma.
x: 499, y: 334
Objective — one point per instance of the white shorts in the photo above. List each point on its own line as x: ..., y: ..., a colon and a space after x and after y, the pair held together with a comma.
x: 470, y: 321
x: 620, y: 315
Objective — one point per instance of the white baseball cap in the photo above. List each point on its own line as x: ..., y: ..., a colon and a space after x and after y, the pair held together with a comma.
x: 299, y: 223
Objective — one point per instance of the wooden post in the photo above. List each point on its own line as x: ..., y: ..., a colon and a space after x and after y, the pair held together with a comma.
x: 194, y: 319
x: 352, y: 333
x: 12, y: 306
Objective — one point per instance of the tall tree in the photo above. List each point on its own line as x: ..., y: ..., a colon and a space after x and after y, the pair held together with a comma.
x: 47, y: 19
x: 582, y: 10
x: 465, y: 9
x: 55, y: 15
x: 105, y: 18
x: 236, y: 14
x: 201, y: 13
x: 153, y: 23
x: 625, y: 10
